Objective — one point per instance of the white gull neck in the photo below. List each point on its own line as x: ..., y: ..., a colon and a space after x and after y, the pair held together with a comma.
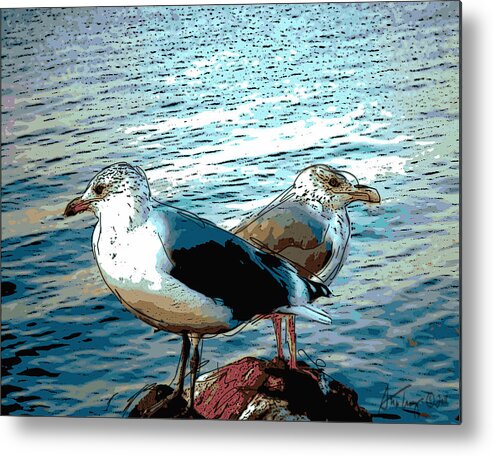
x: 123, y: 211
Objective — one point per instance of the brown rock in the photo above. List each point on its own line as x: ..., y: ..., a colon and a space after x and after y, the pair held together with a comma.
x: 342, y: 404
x: 254, y: 389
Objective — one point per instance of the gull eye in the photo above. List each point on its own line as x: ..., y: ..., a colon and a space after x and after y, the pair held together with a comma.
x: 99, y: 189
x: 334, y: 182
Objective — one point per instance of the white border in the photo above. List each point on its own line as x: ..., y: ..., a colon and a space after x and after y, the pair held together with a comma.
x: 74, y: 437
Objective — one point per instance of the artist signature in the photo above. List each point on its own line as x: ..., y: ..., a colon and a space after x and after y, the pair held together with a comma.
x: 411, y: 403
x: 404, y: 398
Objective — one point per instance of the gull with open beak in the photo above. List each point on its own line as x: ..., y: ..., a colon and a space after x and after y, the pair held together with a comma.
x: 308, y: 225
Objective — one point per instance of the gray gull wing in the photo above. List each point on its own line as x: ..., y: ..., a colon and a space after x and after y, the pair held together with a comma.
x: 294, y: 231
x: 226, y: 268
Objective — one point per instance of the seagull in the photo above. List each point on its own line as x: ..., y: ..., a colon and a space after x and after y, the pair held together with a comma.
x: 308, y: 225
x: 181, y: 273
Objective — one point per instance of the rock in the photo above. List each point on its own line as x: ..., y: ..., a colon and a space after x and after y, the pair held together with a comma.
x: 8, y: 288
x: 342, y: 404
x: 254, y: 389
x: 153, y: 398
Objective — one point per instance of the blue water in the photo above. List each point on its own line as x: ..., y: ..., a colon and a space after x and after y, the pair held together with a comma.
x: 223, y: 106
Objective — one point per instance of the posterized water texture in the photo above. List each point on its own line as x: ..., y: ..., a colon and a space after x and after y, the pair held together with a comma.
x: 223, y: 106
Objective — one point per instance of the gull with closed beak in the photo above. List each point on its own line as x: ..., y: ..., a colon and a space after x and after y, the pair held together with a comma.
x: 181, y: 273
x: 308, y: 225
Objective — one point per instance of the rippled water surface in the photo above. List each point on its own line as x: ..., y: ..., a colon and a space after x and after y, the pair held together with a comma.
x: 222, y: 106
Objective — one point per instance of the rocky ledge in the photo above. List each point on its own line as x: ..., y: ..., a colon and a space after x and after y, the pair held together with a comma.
x: 254, y: 389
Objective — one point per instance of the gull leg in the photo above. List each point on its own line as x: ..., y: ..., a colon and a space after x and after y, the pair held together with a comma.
x: 291, y: 330
x: 277, y: 321
x: 291, y: 341
x: 194, y: 366
x: 182, y: 366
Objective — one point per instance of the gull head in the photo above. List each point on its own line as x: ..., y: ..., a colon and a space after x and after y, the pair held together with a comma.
x: 119, y: 188
x: 332, y: 188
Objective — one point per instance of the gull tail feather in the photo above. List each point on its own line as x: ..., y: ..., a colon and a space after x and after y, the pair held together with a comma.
x: 317, y: 291
x: 308, y: 311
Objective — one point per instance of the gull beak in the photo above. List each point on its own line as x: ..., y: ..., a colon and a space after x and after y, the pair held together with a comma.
x: 364, y: 193
x: 76, y: 206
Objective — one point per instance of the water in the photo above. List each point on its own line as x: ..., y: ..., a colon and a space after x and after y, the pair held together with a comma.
x: 223, y: 106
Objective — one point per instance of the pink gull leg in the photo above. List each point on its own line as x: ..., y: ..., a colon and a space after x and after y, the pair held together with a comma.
x: 291, y: 341
x: 277, y: 321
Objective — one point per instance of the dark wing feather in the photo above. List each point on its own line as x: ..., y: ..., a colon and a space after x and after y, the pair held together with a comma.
x: 222, y: 266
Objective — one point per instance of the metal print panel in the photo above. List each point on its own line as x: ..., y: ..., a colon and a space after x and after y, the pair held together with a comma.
x: 245, y: 212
